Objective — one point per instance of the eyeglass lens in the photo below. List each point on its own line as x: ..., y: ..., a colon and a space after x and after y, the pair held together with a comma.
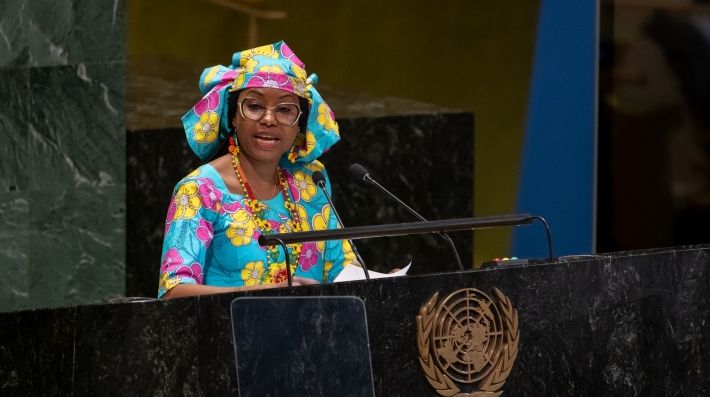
x: 285, y: 113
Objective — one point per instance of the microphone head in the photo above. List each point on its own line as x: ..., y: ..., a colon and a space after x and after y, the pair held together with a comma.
x: 318, y: 178
x: 359, y: 171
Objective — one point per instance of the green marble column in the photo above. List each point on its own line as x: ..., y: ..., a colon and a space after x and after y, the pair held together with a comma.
x: 62, y: 152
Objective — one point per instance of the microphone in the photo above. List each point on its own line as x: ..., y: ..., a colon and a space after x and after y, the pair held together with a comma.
x: 319, y: 179
x: 361, y: 173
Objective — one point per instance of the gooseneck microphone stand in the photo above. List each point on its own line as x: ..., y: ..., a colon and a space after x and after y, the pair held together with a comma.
x: 361, y: 173
x: 319, y: 179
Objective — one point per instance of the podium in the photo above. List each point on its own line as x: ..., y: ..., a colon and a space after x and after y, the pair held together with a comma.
x: 631, y: 323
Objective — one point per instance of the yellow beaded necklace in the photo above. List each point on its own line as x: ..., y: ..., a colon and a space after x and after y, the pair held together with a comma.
x: 277, y: 273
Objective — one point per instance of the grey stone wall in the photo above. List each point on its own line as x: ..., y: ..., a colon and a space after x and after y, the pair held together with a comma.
x: 62, y: 152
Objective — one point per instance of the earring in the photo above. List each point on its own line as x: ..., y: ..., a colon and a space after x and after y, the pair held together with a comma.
x: 293, y: 152
x: 233, y: 147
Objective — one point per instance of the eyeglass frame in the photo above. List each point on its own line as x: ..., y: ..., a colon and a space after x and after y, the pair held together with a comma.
x: 270, y: 108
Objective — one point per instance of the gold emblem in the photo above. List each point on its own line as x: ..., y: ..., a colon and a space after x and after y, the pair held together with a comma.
x: 467, y: 339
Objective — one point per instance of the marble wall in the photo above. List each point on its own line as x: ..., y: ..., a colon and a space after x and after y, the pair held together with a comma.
x: 62, y: 156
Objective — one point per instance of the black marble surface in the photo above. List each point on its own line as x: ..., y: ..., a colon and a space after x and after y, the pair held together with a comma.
x: 286, y: 347
x: 37, y: 352
x: 136, y: 350
x: 154, y: 161
x: 426, y: 160
x: 627, y: 324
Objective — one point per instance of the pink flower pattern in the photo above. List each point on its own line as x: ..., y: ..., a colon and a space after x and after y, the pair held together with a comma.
x: 209, y: 102
x: 309, y: 256
x: 195, y: 271
x: 287, y: 53
x: 270, y: 80
x: 204, y: 232
x: 293, y: 189
x: 171, y: 214
x: 228, y: 76
x: 211, y: 197
x: 172, y: 258
x: 230, y: 208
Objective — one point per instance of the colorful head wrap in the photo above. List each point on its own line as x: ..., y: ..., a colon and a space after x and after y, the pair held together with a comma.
x: 270, y: 66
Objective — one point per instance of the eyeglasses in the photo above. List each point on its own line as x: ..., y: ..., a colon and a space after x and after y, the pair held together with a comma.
x: 284, y: 113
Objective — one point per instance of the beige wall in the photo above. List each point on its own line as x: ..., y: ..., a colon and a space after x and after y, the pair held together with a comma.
x: 468, y: 54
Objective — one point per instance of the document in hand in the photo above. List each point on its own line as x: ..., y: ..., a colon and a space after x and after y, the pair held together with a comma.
x: 352, y: 273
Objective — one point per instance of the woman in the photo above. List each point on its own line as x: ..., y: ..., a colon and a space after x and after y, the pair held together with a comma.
x: 261, y: 125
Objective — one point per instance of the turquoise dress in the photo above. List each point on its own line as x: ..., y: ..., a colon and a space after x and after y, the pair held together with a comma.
x: 211, y: 235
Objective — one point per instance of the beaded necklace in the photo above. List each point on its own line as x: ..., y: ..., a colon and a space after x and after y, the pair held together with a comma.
x: 264, y: 227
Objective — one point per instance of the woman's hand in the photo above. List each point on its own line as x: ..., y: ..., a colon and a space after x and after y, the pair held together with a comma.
x: 394, y: 271
x: 298, y: 281
x: 197, y: 289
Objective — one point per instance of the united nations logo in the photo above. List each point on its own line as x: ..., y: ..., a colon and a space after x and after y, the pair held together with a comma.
x: 468, y: 338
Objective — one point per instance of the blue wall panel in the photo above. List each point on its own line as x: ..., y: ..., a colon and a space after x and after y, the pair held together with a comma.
x: 557, y: 179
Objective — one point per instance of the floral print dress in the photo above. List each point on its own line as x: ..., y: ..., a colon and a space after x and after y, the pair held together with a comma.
x: 211, y: 236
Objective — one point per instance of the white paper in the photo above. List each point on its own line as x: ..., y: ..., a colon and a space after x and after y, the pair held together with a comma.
x: 352, y: 273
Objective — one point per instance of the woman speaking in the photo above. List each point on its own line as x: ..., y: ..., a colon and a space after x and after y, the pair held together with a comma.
x: 260, y: 128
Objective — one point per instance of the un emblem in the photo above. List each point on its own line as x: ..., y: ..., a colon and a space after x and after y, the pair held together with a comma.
x: 469, y: 338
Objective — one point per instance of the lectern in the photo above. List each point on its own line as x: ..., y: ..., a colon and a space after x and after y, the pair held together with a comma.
x: 624, y: 324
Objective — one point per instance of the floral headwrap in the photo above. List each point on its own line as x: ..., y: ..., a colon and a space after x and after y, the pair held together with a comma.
x: 271, y: 66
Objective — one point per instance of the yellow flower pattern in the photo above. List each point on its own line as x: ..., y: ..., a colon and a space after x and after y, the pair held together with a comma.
x: 250, y: 66
x: 320, y: 222
x: 305, y: 143
x: 247, y: 67
x: 239, y: 80
x: 304, y: 184
x: 252, y: 273
x: 299, y: 72
x: 327, y: 265
x: 271, y: 69
x: 207, y: 129
x: 277, y: 273
x: 325, y: 119
x: 303, y: 215
x: 314, y: 166
x: 273, y: 272
x: 187, y: 201
x: 167, y: 283
x: 241, y: 231
x: 255, y: 205
x: 211, y: 74
x: 265, y: 51
x: 299, y: 82
x: 286, y: 227
x: 349, y: 255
